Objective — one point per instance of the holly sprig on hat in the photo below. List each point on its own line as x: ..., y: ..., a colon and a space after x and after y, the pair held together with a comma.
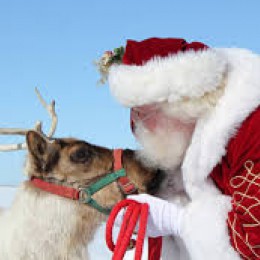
x: 107, y: 60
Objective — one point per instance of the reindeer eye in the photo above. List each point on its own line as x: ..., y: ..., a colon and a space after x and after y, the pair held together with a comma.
x: 81, y: 155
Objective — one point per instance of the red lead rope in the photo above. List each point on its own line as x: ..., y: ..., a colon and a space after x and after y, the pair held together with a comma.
x: 134, y: 211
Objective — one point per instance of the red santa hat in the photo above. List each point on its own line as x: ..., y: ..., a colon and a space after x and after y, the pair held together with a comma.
x: 158, y: 70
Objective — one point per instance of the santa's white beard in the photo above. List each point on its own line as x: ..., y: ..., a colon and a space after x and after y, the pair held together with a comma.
x: 163, y: 147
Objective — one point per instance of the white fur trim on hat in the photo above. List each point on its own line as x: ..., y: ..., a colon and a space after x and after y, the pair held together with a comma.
x: 186, y: 74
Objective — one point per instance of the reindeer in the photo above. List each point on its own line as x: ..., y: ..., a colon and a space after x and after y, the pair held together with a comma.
x: 40, y: 225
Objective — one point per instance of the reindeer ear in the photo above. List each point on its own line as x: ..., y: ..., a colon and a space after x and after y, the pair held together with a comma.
x: 37, y: 144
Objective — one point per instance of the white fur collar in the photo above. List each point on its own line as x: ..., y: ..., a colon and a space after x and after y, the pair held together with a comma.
x: 213, y: 131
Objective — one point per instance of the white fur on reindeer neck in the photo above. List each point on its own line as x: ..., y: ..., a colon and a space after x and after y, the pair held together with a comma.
x: 46, y: 236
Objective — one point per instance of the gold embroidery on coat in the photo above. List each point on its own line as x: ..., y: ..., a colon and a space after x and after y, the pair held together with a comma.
x: 236, y: 182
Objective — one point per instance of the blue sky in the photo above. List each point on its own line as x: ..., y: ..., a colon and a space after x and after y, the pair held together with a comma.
x: 52, y: 44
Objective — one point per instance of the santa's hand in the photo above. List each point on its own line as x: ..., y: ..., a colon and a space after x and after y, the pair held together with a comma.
x: 163, y: 217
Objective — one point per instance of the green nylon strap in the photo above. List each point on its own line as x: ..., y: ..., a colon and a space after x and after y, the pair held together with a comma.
x: 95, y: 187
x: 93, y: 203
x: 109, y: 178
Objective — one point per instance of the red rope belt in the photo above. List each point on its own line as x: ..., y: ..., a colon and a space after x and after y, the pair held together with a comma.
x: 134, y: 211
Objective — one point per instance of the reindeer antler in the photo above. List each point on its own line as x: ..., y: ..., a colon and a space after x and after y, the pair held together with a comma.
x: 38, y: 126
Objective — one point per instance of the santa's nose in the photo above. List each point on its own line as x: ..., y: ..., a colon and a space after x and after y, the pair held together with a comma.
x: 148, y: 115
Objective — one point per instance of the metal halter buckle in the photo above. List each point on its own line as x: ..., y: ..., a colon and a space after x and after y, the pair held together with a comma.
x: 84, y: 196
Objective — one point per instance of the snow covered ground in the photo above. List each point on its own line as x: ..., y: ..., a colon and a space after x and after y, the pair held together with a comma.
x: 97, y: 248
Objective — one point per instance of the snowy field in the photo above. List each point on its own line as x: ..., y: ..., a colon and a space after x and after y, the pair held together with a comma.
x: 97, y: 248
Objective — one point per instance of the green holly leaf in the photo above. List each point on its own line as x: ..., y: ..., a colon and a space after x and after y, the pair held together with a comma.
x: 118, y: 55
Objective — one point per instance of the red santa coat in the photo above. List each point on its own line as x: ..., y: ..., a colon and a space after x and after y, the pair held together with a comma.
x: 221, y: 170
x: 238, y: 176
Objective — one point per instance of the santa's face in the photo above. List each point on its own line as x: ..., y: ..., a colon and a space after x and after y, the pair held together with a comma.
x: 165, y: 129
x: 164, y: 137
x: 159, y: 116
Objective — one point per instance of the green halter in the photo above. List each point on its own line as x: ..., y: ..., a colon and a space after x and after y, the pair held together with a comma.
x: 85, y: 194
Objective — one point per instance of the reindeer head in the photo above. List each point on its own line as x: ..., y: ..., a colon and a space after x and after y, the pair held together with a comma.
x: 76, y: 163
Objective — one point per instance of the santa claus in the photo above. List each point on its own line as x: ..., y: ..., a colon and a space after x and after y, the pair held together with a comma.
x: 195, y: 111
